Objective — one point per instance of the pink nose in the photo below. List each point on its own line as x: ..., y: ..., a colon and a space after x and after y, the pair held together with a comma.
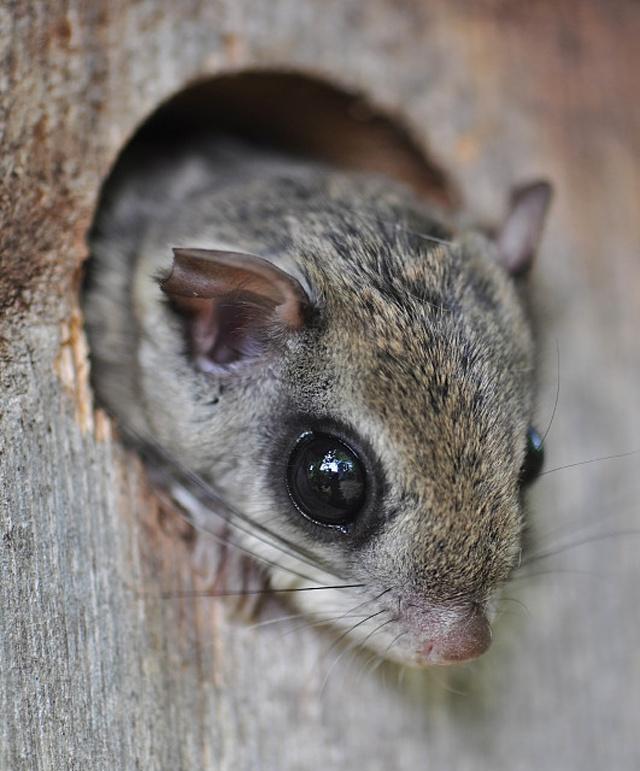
x: 457, y: 636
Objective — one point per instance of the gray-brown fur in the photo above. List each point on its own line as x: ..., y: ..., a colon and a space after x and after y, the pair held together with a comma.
x: 415, y: 343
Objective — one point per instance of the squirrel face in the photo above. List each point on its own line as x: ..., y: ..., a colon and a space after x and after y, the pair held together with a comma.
x: 363, y: 388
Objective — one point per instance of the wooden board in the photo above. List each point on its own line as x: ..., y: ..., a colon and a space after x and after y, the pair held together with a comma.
x: 96, y: 669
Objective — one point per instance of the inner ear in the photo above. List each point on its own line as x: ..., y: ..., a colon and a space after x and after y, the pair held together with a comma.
x: 518, y: 238
x: 234, y: 304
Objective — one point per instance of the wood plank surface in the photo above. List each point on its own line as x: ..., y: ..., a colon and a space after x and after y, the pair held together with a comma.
x: 96, y: 669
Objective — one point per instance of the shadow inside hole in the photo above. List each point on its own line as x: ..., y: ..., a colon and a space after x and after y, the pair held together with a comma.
x: 298, y: 115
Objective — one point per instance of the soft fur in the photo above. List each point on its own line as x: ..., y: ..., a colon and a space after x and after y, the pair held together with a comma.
x: 416, y: 348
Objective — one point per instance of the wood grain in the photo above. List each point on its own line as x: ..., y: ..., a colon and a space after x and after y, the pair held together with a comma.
x: 96, y: 669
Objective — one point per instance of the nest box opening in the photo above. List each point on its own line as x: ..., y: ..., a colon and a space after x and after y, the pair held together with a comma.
x: 297, y: 114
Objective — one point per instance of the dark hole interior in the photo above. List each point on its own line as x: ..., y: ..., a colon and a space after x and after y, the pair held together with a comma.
x: 300, y: 115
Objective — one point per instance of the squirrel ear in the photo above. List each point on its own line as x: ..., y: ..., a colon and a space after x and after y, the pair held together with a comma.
x: 233, y: 303
x: 518, y: 237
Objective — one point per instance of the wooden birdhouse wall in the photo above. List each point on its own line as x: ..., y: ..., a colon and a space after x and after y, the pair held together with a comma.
x: 98, y: 669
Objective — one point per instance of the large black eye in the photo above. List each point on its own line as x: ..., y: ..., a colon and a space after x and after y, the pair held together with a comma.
x: 326, y: 479
x: 534, y: 459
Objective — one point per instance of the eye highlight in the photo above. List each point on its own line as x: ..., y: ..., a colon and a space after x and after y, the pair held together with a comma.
x: 326, y: 479
x: 534, y: 458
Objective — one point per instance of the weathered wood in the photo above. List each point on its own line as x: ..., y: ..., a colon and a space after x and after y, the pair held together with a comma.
x: 96, y: 670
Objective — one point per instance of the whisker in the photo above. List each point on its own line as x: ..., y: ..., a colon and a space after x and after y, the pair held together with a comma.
x: 159, y: 457
x: 515, y: 602
x: 554, y: 571
x: 536, y: 557
x: 617, y: 456
x: 333, y: 616
x: 440, y: 678
x: 555, y: 404
x: 363, y: 643
x: 324, y: 622
x: 348, y: 614
x: 575, y: 523
x: 227, y: 541
x: 348, y: 648
x: 377, y: 629
x: 233, y: 517
x: 368, y: 665
x: 249, y: 592
x: 339, y: 639
x: 383, y: 656
x: 403, y: 228
x: 372, y: 599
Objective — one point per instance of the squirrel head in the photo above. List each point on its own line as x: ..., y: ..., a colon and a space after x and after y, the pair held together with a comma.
x: 350, y: 373
x: 370, y: 397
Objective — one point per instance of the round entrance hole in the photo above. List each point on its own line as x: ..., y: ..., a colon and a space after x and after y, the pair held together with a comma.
x: 297, y: 114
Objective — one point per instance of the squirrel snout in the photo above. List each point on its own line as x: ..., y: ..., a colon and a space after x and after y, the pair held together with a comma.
x: 455, y: 635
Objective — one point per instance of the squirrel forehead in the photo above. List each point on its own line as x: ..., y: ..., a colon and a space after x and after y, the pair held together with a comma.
x: 441, y: 312
x: 439, y: 353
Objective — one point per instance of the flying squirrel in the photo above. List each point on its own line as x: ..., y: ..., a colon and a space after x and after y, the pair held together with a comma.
x: 347, y: 367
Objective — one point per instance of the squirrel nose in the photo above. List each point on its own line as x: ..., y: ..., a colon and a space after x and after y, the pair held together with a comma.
x: 460, y: 635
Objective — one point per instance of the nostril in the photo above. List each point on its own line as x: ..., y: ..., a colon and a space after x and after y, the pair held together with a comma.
x: 427, y: 649
x: 463, y: 636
